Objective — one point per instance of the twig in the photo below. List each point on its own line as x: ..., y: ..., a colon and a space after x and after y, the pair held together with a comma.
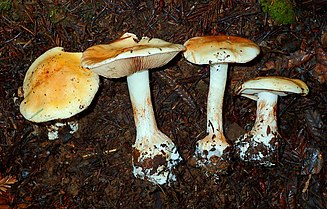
x: 106, y: 152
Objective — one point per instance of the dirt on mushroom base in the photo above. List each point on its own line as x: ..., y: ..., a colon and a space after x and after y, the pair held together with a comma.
x: 257, y: 152
x: 86, y: 172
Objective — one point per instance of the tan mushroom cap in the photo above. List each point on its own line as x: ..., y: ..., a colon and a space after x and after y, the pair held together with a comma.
x: 280, y: 86
x: 220, y: 49
x: 128, y: 55
x: 56, y: 86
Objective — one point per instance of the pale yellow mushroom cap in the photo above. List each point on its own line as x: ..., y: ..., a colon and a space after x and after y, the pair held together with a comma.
x: 280, y: 86
x: 220, y: 49
x: 128, y: 55
x: 56, y: 86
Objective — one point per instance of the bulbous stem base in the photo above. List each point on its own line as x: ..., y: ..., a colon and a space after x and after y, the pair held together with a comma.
x: 154, y: 161
x: 260, y: 145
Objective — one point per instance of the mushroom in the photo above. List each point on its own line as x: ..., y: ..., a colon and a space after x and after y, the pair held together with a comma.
x: 56, y: 86
x: 217, y: 51
x: 260, y: 145
x: 154, y: 154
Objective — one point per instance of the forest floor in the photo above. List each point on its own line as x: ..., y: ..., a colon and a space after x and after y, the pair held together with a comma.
x: 92, y: 168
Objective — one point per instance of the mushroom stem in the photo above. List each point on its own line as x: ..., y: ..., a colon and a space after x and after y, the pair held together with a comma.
x: 139, y: 91
x: 261, y: 143
x: 211, y: 148
x: 266, y: 120
x: 154, y: 154
x: 218, y: 78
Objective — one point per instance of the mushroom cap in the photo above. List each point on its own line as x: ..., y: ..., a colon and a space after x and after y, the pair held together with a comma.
x: 128, y: 55
x: 56, y: 86
x: 220, y: 49
x: 280, y: 86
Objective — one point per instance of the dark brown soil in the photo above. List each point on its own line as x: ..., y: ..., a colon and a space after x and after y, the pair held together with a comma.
x: 92, y: 168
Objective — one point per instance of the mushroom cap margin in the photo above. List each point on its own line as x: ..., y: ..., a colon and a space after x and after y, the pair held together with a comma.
x: 280, y: 86
x: 128, y: 55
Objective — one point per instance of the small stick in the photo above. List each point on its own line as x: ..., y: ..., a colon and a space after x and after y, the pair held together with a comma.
x: 106, y: 152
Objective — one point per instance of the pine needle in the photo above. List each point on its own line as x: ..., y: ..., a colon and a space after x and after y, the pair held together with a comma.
x: 6, y: 182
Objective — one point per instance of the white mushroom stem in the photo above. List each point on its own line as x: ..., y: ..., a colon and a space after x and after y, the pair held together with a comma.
x: 261, y: 143
x: 266, y: 121
x: 218, y: 78
x: 154, y: 154
x: 139, y: 91
x: 214, y: 144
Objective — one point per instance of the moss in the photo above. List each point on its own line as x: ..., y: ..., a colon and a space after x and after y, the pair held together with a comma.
x: 5, y: 5
x: 281, y: 11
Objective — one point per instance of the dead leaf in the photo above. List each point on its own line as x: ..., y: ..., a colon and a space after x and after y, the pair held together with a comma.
x: 320, y: 70
x: 324, y: 40
x: 315, y: 123
x: 298, y: 58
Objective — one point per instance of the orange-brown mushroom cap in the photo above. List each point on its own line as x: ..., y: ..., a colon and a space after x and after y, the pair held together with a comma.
x: 220, y: 49
x: 56, y: 86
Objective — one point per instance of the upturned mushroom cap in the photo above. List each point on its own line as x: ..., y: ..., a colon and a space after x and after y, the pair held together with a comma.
x: 280, y: 86
x: 220, y: 49
x: 128, y: 55
x: 56, y: 86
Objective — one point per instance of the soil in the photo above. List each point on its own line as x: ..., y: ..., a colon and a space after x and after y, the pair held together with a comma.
x: 92, y: 168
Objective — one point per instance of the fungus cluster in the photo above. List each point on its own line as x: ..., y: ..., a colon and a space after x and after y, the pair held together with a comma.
x: 60, y: 84
x: 217, y: 52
